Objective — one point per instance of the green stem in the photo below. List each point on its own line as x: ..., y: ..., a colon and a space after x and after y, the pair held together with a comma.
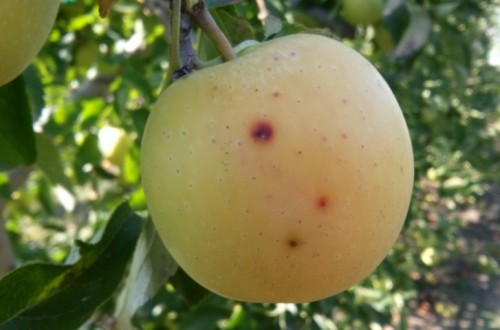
x: 175, y: 62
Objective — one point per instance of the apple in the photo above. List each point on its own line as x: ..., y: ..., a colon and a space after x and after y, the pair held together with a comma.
x: 284, y: 175
x: 363, y: 12
x: 24, y: 28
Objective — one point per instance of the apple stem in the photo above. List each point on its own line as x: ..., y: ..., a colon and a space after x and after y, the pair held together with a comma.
x: 178, y: 21
x: 204, y: 20
x: 175, y: 62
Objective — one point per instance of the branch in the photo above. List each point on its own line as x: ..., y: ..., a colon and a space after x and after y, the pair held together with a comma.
x: 263, y: 12
x: 204, y: 20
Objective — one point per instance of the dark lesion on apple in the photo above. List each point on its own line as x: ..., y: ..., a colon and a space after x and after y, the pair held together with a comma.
x: 262, y: 132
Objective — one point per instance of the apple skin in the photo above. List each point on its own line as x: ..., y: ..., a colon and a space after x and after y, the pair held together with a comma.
x: 282, y: 176
x: 24, y: 28
x: 363, y: 12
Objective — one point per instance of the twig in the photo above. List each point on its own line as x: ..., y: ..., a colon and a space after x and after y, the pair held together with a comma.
x: 204, y: 20
x: 263, y: 12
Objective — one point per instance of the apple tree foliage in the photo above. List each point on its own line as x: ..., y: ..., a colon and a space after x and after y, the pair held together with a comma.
x: 76, y: 248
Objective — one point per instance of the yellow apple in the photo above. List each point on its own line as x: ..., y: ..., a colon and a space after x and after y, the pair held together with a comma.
x: 284, y: 175
x: 362, y: 11
x: 24, y: 28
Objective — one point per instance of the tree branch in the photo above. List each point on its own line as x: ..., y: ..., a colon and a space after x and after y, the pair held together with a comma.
x: 204, y: 20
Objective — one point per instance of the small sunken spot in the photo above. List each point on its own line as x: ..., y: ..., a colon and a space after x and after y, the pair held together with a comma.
x: 276, y: 94
x: 292, y: 54
x: 262, y: 132
x: 344, y: 136
x: 322, y: 202
x: 344, y: 101
x: 276, y: 58
x: 293, y: 243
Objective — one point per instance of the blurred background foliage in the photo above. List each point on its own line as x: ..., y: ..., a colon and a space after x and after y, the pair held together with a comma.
x: 90, y: 91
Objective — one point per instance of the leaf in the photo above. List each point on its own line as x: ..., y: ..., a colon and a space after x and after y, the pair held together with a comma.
x: 4, y: 187
x: 272, y: 26
x: 445, y: 9
x: 34, y: 89
x: 88, y: 153
x: 17, y: 140
x: 188, y: 288
x: 236, y: 28
x: 49, y: 161
x: 151, y: 266
x: 395, y: 18
x: 415, y: 36
x: 52, y: 297
x: 105, y: 6
x: 456, y: 50
x: 25, y: 286
x: 220, y: 3
x: 139, y: 119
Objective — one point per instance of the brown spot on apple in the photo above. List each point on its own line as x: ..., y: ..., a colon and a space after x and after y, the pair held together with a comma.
x: 322, y: 202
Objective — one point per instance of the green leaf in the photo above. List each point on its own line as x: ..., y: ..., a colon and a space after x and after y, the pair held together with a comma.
x: 17, y: 140
x: 52, y: 297
x: 445, y: 9
x: 272, y: 26
x: 415, y: 36
x: 188, y: 288
x: 220, y: 3
x: 396, y: 18
x: 456, y: 50
x: 49, y: 161
x: 26, y: 286
x: 150, y: 269
x: 88, y: 154
x: 236, y: 28
x: 4, y: 187
x: 34, y: 89
x: 139, y: 118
